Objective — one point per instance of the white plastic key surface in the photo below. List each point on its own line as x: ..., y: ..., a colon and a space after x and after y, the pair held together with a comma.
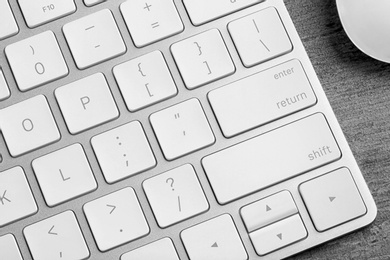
x: 260, y: 37
x: 56, y: 238
x: 151, y: 21
x: 16, y: 199
x: 36, y: 60
x: 271, y: 158
x: 9, y: 250
x: 261, y: 98
x: 94, y: 38
x: 38, y: 12
x: 202, y: 58
x: 332, y: 199
x: 182, y: 129
x: 64, y: 174
x: 175, y: 195
x: 28, y: 125
x: 215, y: 239
x: 203, y: 11
x: 268, y: 210
x: 278, y: 235
x: 123, y: 152
x: 161, y: 249
x: 144, y: 81
x: 93, y: 2
x: 4, y: 90
x: 116, y: 218
x: 8, y: 26
x: 86, y: 103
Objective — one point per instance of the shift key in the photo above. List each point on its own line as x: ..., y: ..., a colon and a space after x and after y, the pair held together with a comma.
x: 270, y: 158
x: 262, y: 98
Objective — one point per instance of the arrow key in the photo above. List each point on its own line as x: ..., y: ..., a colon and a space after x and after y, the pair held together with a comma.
x: 215, y: 239
x: 268, y: 210
x: 56, y: 238
x: 278, y: 235
x: 332, y: 199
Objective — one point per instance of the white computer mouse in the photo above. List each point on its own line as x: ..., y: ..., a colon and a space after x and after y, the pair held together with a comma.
x: 367, y: 24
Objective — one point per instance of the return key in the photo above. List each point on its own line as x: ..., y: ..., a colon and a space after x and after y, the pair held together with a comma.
x: 262, y: 98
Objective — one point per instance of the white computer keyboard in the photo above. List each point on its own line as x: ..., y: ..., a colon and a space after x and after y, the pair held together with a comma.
x: 166, y: 129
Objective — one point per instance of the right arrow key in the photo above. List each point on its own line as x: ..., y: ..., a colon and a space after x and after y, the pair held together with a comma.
x: 332, y: 199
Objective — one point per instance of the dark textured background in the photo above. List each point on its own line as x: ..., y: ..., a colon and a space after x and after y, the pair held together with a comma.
x: 358, y: 88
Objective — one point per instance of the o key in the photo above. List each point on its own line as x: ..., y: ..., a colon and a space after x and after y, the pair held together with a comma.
x: 28, y: 125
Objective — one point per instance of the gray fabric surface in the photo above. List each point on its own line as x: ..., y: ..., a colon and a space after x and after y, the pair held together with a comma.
x: 358, y: 88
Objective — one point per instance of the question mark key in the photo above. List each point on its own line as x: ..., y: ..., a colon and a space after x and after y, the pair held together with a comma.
x: 175, y: 195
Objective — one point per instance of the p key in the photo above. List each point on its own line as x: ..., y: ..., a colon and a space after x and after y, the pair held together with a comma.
x: 28, y: 125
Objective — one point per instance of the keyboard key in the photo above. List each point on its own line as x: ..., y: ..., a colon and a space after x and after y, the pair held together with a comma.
x: 260, y: 37
x: 86, y: 103
x: 94, y: 38
x: 268, y: 210
x: 202, y: 59
x: 8, y: 26
x: 4, y: 90
x: 278, y: 235
x: 16, y: 199
x: 151, y: 21
x: 9, y: 250
x: 64, y: 174
x: 203, y: 11
x: 145, y: 81
x: 28, y: 125
x: 58, y: 237
x: 93, y: 2
x: 123, y: 152
x: 39, y: 12
x: 116, y: 219
x: 160, y: 249
x: 332, y: 199
x: 262, y: 98
x: 36, y: 60
x: 182, y: 129
x: 175, y: 195
x: 215, y: 239
x: 271, y: 158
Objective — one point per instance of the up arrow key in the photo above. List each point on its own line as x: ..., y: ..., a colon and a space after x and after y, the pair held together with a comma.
x: 215, y: 245
x: 332, y: 199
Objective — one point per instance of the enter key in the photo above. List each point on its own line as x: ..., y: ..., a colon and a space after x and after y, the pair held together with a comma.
x: 262, y: 98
